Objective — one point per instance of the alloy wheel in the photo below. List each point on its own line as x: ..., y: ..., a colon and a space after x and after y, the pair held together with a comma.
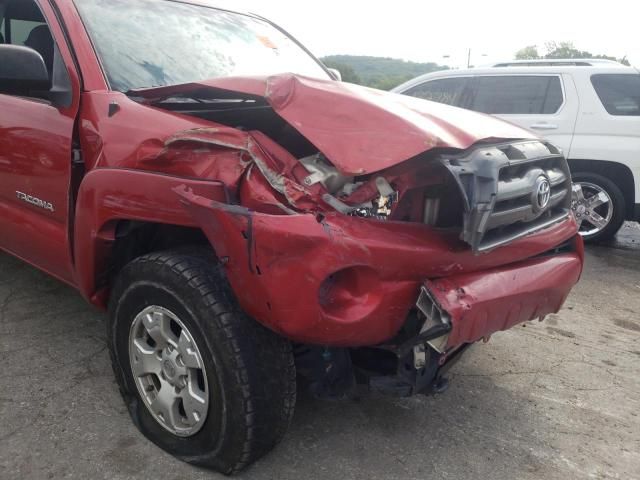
x: 593, y: 209
x: 168, y: 371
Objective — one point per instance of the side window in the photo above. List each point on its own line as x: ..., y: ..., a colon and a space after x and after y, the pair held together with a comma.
x: 23, y: 24
x: 517, y: 94
x: 619, y: 93
x: 442, y: 90
x: 20, y: 30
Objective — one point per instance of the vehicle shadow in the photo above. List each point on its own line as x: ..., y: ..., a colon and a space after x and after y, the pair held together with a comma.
x: 627, y: 238
x: 461, y: 433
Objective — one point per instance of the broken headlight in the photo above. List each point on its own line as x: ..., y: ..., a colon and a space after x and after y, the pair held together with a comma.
x: 380, y: 208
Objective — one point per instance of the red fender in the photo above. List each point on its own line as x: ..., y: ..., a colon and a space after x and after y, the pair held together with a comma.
x: 109, y: 195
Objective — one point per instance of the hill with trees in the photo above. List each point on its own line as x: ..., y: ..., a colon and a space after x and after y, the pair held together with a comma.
x: 378, y: 72
x: 385, y: 73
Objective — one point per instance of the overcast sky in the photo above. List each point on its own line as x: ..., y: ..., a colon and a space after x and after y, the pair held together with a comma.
x: 425, y: 30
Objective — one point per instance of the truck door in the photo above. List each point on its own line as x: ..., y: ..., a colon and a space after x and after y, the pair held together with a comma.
x: 36, y: 134
x: 544, y: 103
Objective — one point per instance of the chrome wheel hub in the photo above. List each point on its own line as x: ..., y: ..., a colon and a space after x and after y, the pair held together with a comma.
x: 592, y: 207
x: 168, y: 371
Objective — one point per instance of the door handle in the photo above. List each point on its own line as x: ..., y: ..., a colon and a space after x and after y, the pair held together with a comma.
x: 544, y: 126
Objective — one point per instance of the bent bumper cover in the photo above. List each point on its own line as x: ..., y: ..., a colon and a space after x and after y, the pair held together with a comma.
x: 480, y: 304
x: 346, y: 281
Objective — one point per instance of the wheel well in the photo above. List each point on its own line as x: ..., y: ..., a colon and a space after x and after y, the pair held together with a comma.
x: 618, y: 173
x: 134, y: 239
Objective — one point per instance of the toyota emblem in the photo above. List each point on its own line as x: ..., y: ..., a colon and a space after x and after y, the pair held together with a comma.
x: 542, y: 193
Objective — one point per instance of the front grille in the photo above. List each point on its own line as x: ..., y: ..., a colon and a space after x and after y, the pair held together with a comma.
x: 510, y: 190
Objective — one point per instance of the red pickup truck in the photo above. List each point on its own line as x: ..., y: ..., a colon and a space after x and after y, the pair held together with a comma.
x: 250, y: 223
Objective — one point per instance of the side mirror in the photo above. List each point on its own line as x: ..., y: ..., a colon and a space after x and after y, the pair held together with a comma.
x: 335, y: 73
x: 22, y: 70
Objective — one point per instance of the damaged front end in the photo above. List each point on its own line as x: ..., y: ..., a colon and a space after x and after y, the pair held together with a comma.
x: 395, y: 235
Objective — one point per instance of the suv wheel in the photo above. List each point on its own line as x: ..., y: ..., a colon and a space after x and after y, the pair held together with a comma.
x: 200, y: 379
x: 600, y: 209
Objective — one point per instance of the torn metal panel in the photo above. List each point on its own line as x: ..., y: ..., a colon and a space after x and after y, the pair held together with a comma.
x: 226, y: 154
x: 360, y: 130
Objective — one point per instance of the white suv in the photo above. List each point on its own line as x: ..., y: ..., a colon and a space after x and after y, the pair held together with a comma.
x: 588, y: 108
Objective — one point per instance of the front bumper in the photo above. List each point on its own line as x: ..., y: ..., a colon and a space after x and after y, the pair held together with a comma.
x: 348, y: 282
x: 482, y: 303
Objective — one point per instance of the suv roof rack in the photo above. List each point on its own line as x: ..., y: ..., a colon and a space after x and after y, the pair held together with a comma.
x: 555, y: 62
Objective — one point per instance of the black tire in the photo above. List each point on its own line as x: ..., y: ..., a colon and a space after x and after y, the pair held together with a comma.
x: 617, y: 199
x: 253, y: 392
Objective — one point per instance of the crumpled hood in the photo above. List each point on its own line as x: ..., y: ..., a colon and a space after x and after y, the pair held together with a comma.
x: 360, y: 130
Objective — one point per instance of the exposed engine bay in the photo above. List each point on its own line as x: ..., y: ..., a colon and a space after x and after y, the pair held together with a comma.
x: 491, y: 193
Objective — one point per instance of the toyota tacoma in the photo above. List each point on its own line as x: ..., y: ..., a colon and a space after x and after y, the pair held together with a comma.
x: 251, y: 224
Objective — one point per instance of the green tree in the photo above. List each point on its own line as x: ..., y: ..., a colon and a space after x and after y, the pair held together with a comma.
x: 380, y: 72
x: 347, y: 71
x: 528, y: 53
x: 388, y: 82
x: 563, y: 50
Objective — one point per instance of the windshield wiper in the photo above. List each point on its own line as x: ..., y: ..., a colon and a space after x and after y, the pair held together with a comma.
x: 194, y: 99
